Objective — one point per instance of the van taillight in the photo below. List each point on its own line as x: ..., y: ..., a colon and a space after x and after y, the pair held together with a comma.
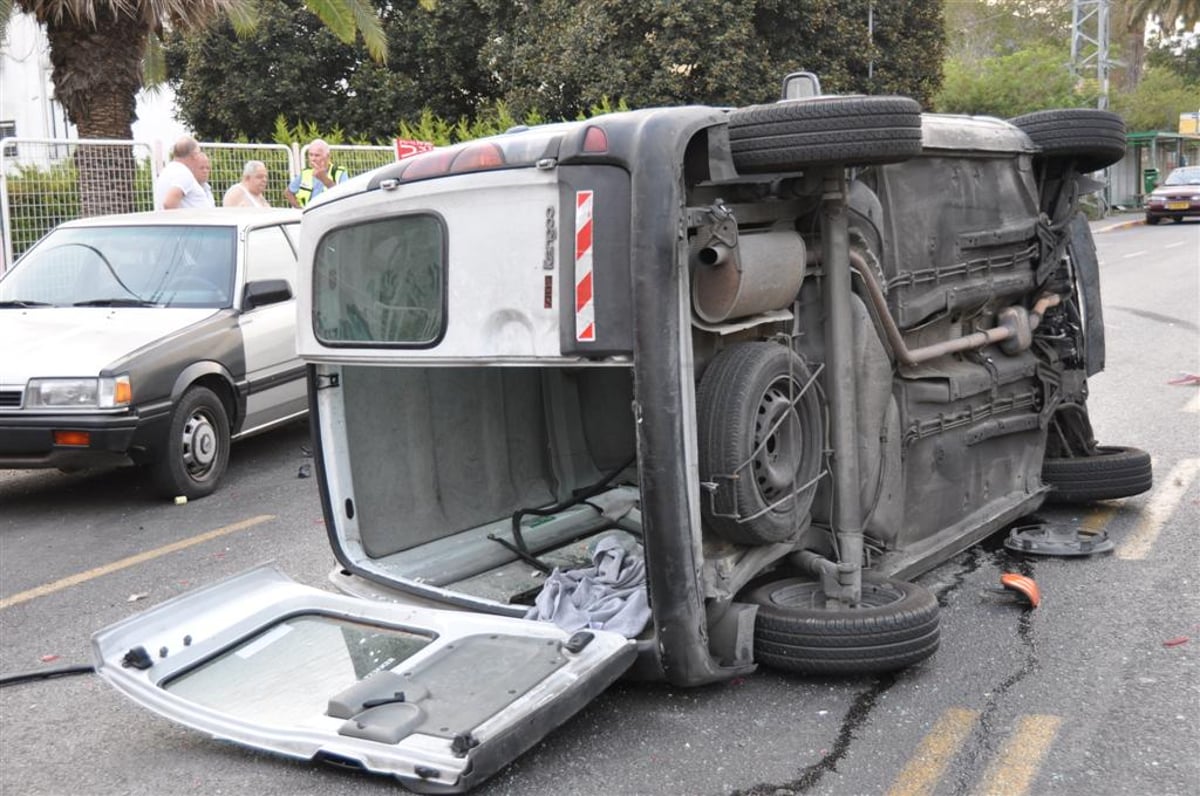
x: 595, y: 140
x: 477, y: 156
x: 429, y: 164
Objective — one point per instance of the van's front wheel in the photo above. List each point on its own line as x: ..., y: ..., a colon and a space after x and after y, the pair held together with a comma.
x: 825, y: 131
x: 894, y: 625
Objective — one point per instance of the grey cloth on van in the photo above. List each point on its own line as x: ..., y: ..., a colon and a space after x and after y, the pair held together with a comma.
x: 609, y: 595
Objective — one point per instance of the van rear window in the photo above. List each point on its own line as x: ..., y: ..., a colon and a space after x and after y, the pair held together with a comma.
x: 382, y: 282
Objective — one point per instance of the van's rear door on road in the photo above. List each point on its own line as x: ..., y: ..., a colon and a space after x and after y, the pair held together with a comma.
x: 440, y: 699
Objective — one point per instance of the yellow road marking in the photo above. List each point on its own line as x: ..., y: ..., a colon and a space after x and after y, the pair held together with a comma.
x: 1012, y: 771
x: 83, y: 577
x: 1162, y: 504
x: 929, y: 762
x: 1097, y: 520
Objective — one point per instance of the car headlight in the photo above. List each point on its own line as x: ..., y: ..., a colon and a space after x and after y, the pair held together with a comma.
x: 106, y: 392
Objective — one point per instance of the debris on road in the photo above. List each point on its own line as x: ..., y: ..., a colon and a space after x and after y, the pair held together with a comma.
x: 1175, y: 642
x: 135, y: 597
x: 1057, y: 540
x: 1023, y: 586
x: 1185, y: 378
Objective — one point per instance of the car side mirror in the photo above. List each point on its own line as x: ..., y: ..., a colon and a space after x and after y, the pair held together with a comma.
x: 801, y: 85
x: 261, y: 292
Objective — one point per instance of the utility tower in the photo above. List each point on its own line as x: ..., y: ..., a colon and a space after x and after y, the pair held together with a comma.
x: 1089, y: 43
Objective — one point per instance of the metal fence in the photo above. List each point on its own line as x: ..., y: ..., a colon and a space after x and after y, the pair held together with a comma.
x: 354, y: 158
x: 228, y: 161
x: 44, y: 182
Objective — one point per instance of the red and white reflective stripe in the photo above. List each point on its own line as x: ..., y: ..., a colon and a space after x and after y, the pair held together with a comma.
x: 585, y: 311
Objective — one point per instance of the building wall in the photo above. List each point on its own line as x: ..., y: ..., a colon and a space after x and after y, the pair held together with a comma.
x: 26, y: 91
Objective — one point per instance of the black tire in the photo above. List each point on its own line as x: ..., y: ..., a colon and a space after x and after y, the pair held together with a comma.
x: 846, y: 131
x: 1113, y: 472
x: 1094, y: 138
x: 196, y: 452
x: 895, y: 626
x: 747, y: 390
x: 1152, y: 220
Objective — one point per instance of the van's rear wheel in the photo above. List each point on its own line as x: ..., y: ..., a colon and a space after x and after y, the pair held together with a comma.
x: 894, y: 626
x: 1110, y: 472
x: 1094, y: 138
x: 760, y: 442
x: 846, y: 131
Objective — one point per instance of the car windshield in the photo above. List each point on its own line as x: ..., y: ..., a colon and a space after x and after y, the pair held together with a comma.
x: 1187, y: 176
x: 126, y: 266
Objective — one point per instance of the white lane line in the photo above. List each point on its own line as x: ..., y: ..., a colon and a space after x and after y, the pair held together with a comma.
x: 1193, y: 405
x: 1162, y: 504
x: 1173, y: 245
x: 1134, y: 254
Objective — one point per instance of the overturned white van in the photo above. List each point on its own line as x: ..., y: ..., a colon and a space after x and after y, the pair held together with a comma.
x: 703, y: 386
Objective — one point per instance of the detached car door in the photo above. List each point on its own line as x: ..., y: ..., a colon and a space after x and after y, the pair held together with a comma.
x: 439, y: 699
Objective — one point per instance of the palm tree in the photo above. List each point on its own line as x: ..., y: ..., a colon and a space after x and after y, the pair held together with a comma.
x: 96, y: 52
x: 1132, y: 16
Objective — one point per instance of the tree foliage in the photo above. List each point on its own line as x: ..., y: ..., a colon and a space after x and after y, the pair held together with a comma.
x: 550, y: 58
x: 1161, y: 95
x: 978, y: 29
x: 1009, y: 85
x: 97, y: 52
x: 228, y: 85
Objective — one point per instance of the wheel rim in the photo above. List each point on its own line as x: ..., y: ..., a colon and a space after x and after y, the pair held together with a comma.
x: 200, y: 445
x: 808, y: 594
x: 779, y: 451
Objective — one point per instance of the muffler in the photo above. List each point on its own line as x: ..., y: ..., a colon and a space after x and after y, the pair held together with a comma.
x: 760, y: 272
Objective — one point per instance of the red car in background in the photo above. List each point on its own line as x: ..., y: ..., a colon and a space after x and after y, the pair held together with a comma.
x: 1177, y: 197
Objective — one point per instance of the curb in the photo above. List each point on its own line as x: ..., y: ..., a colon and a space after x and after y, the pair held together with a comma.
x: 1136, y: 222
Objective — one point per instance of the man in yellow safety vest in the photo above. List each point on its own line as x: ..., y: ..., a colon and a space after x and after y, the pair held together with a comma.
x: 320, y: 174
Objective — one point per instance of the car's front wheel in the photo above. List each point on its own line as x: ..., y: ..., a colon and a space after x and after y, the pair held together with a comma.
x: 1152, y: 220
x: 196, y: 451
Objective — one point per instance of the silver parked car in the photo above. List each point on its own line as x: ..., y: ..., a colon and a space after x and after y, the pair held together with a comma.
x: 153, y: 338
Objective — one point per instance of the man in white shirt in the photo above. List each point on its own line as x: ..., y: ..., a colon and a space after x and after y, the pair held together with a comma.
x: 184, y: 181
x: 251, y: 191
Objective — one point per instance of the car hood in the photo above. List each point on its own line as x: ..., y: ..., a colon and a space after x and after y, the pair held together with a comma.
x: 1176, y: 191
x: 81, y: 341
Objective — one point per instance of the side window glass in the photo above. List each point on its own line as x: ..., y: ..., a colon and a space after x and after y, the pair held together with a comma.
x: 269, y: 255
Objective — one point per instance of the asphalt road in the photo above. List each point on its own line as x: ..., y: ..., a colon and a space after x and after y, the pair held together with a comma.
x: 1082, y: 696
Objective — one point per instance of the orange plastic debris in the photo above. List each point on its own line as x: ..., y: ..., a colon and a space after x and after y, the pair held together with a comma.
x: 1022, y: 584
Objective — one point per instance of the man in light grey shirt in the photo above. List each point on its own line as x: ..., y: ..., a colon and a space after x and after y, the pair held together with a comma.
x: 184, y: 181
